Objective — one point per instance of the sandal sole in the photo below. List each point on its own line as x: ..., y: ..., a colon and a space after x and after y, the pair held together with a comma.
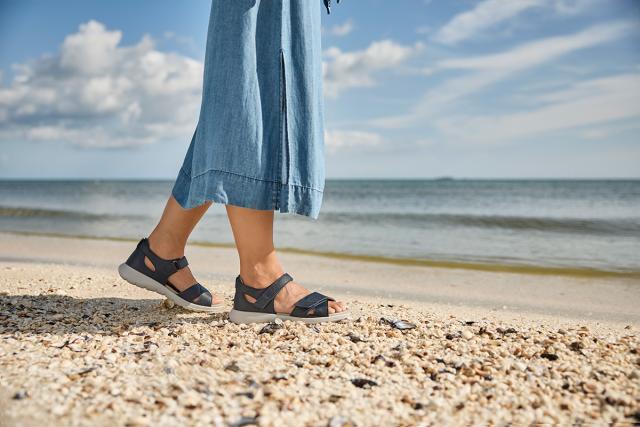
x: 140, y: 280
x: 243, y: 317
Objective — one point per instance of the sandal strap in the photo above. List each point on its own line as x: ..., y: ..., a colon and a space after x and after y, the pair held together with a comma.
x: 166, y: 267
x: 197, y: 294
x: 180, y: 263
x: 315, y: 301
x: 266, y: 295
x: 163, y: 269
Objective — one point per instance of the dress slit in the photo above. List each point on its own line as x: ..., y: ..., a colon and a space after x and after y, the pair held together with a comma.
x: 284, y: 111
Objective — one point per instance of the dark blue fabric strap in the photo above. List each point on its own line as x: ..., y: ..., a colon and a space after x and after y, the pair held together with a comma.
x: 197, y: 294
x: 264, y: 297
x: 270, y: 293
x: 180, y: 263
x: 314, y: 301
x: 164, y: 267
x: 254, y: 292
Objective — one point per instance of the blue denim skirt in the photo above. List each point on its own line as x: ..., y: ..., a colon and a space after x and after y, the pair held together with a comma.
x: 259, y: 139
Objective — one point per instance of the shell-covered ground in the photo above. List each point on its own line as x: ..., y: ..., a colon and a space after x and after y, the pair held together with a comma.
x: 67, y: 358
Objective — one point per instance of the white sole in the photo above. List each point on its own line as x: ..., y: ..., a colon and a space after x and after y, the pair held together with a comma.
x: 237, y: 316
x: 138, y: 279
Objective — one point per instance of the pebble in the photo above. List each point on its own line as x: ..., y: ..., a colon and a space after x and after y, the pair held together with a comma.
x: 87, y: 362
x: 22, y: 394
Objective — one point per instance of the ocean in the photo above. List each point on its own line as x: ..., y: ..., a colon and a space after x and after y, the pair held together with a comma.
x: 584, y: 227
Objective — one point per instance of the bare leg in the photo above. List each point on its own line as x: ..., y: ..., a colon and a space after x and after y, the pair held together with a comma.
x: 169, y: 239
x: 259, y: 264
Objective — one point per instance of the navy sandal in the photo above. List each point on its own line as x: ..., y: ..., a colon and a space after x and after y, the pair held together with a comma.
x: 313, y: 308
x: 136, y: 272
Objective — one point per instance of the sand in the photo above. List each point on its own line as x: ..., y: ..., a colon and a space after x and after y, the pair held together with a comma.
x: 79, y: 346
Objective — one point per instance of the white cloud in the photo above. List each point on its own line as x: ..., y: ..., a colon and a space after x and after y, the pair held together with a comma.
x: 96, y: 92
x: 423, y: 29
x: 341, y: 30
x: 541, y: 51
x: 344, y: 70
x: 490, y: 69
x: 338, y: 139
x: 485, y: 15
x: 490, y: 13
x: 188, y: 42
x: 573, y: 7
x: 584, y: 104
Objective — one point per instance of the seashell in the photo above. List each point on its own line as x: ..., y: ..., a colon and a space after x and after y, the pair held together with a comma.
x: 270, y: 328
x: 467, y: 334
x: 233, y: 367
x: 381, y: 358
x: 355, y: 338
x: 22, y: 394
x: 363, y: 383
x: 338, y: 421
x: 576, y: 346
x: 398, y: 324
x: 549, y: 356
x: 244, y: 421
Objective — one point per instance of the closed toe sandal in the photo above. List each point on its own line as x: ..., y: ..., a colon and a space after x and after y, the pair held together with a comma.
x: 313, y: 308
x: 136, y: 272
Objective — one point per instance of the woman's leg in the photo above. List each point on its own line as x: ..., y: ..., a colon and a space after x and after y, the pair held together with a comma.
x: 169, y: 239
x: 259, y: 264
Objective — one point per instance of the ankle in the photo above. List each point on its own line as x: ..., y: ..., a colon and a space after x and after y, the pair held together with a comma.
x: 166, y: 245
x: 261, y: 273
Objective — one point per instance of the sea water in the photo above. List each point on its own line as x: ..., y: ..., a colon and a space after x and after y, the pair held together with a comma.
x: 572, y: 225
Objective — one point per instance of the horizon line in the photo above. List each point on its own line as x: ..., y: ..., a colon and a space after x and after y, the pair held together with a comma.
x: 435, y: 178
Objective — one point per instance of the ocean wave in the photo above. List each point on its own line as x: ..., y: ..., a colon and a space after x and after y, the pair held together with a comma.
x: 594, y: 226
x: 24, y: 212
x: 601, y: 226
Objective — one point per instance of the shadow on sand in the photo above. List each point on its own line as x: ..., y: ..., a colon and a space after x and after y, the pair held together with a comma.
x: 62, y: 315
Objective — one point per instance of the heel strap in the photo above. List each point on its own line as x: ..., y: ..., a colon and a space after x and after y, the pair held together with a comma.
x: 163, y: 267
x: 264, y: 296
x: 177, y: 263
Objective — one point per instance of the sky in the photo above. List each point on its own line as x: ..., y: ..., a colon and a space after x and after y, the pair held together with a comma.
x: 413, y: 88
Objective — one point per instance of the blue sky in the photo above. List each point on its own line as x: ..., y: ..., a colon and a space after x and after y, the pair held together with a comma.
x: 413, y: 88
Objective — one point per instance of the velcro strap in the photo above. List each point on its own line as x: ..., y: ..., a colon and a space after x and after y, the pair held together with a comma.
x: 312, y: 300
x: 269, y: 293
x: 180, y: 263
x: 162, y: 266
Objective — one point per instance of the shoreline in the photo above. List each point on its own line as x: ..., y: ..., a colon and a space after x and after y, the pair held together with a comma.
x: 609, y: 300
x: 409, y: 262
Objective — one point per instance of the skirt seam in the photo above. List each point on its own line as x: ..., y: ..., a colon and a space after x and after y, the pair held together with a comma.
x: 248, y: 177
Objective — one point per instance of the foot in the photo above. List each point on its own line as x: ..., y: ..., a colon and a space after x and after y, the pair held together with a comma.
x: 182, y: 279
x: 288, y: 296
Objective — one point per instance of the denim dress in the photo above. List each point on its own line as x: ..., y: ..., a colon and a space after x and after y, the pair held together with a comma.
x: 259, y: 138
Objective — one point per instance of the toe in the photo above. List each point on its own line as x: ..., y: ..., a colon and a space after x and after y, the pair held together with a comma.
x: 334, y: 307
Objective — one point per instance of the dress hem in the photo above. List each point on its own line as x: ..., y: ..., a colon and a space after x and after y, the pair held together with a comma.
x: 238, y: 190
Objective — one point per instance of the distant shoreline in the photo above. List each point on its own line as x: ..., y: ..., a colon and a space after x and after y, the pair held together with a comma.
x: 409, y: 262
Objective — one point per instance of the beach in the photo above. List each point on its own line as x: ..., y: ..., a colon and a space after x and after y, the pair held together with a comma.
x: 79, y: 346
